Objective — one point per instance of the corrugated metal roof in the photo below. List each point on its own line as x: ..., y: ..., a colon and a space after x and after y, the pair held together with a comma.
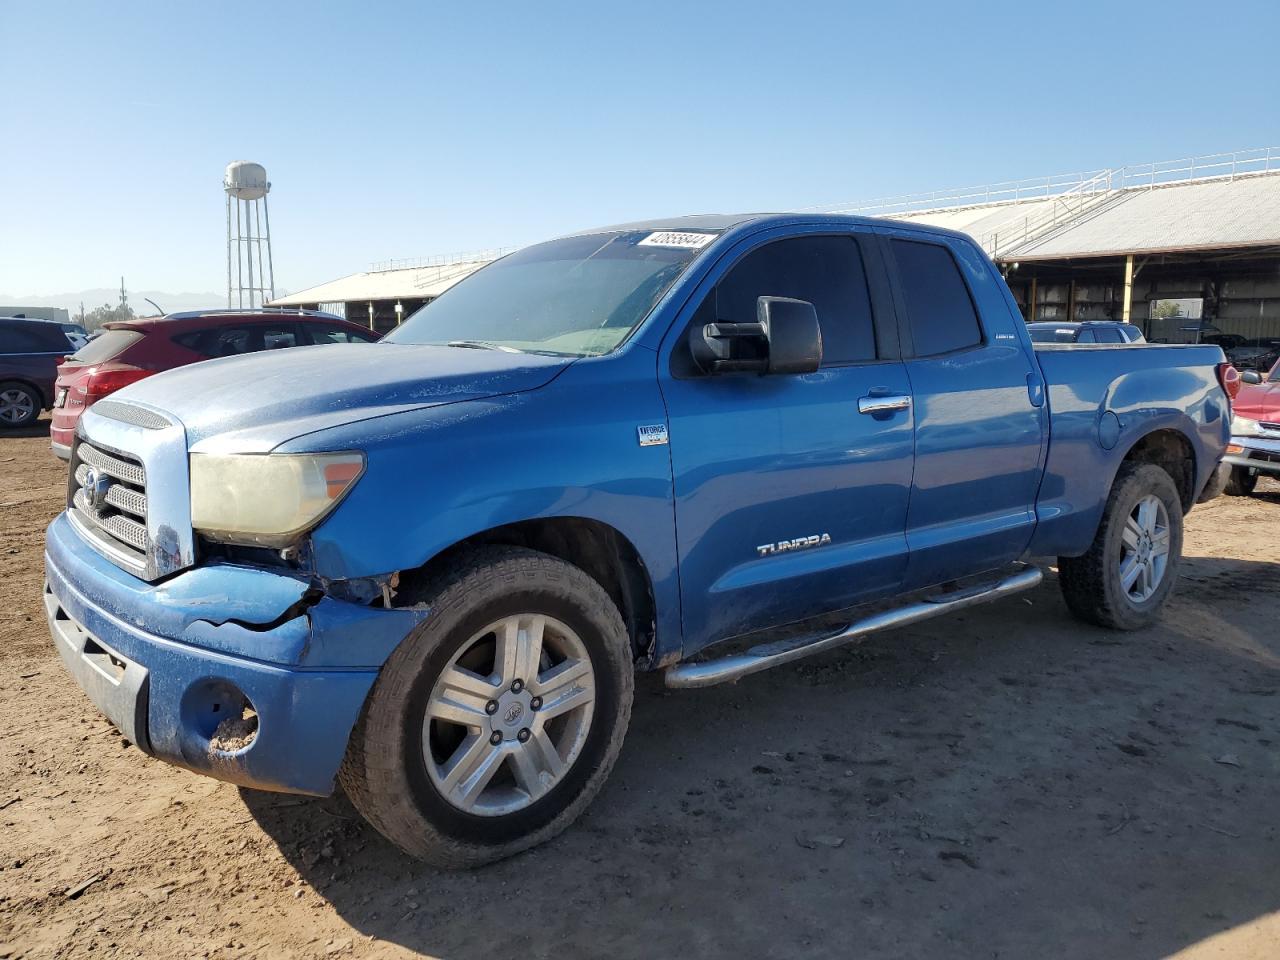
x: 983, y: 220
x: 1215, y: 213
x: 417, y: 283
x: 1243, y: 212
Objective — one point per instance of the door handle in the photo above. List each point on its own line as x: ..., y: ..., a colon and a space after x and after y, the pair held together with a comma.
x: 886, y: 404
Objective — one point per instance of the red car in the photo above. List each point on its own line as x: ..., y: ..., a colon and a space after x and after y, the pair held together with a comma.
x: 132, y: 349
x: 1255, y: 431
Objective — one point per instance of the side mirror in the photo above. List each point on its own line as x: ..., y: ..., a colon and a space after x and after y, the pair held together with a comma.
x: 1250, y: 376
x: 785, y: 338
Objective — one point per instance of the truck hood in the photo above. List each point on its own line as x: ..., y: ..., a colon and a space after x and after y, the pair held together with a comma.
x: 253, y: 403
x: 1258, y: 401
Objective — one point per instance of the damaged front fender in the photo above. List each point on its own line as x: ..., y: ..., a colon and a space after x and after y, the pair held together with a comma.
x: 266, y: 615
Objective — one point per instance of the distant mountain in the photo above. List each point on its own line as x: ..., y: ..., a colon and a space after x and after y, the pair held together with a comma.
x: 169, y: 302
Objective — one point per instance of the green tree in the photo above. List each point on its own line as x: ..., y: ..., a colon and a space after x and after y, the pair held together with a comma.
x: 106, y: 313
x: 1165, y: 309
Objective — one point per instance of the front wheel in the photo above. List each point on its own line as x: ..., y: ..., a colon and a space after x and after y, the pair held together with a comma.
x: 1242, y: 482
x: 493, y: 725
x: 1132, y: 564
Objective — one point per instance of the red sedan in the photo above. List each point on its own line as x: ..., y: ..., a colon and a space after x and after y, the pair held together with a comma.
x: 130, y: 350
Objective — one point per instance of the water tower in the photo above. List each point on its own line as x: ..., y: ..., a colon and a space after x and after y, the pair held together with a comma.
x: 250, y: 278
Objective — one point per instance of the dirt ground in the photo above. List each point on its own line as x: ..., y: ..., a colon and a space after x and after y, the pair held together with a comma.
x: 1007, y: 783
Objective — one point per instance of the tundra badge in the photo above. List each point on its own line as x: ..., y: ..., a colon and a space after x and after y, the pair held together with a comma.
x: 799, y: 543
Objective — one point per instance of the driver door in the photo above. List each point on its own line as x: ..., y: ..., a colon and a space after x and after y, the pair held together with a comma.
x: 789, y: 501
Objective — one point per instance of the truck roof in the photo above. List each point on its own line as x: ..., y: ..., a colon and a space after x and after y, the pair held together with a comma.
x: 726, y: 221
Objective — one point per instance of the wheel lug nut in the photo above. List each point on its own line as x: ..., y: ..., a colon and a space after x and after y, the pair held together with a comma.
x: 491, y: 707
x: 495, y: 738
x: 517, y: 686
x: 523, y: 735
x: 536, y: 703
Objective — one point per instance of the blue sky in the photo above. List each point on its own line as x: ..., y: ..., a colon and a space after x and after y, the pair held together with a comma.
x: 409, y: 129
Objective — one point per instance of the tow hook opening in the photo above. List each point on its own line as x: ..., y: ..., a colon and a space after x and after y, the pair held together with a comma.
x: 222, y: 715
x: 235, y: 733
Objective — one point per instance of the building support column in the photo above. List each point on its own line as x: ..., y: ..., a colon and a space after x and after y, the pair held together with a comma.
x: 1031, y: 303
x: 1128, y: 288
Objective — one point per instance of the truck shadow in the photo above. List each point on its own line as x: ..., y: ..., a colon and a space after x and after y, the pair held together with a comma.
x: 1006, y: 782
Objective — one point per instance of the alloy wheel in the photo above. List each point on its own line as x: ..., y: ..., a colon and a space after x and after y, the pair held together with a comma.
x: 1144, y: 555
x: 509, y: 715
x: 16, y: 406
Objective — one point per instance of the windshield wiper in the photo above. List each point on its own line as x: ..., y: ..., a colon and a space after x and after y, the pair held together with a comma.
x: 483, y: 345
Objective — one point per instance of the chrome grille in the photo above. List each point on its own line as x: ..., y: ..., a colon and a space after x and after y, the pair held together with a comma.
x: 129, y: 472
x: 108, y: 498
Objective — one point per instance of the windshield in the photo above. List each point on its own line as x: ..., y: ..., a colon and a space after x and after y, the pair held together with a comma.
x: 576, y: 297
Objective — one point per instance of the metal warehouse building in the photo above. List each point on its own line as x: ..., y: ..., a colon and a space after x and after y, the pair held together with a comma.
x: 1161, y: 245
x: 1182, y: 249
x: 388, y: 292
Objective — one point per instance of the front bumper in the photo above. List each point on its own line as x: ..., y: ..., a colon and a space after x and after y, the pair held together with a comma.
x: 1258, y: 453
x: 163, y: 661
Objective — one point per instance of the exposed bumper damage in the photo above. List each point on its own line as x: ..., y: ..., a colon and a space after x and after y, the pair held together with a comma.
x: 170, y: 663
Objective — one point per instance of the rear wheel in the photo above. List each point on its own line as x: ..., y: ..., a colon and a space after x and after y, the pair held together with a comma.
x: 1132, y: 564
x: 1242, y: 482
x: 19, y: 405
x: 491, y: 728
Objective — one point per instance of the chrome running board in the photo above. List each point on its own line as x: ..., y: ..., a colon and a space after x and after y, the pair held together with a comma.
x: 686, y: 676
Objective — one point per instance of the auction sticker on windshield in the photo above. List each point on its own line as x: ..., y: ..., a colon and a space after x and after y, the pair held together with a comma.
x: 671, y: 238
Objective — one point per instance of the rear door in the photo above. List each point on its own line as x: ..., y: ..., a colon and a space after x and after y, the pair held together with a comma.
x: 788, y: 500
x: 979, y: 413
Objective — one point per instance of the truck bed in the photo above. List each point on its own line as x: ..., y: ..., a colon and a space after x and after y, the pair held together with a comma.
x: 1101, y: 398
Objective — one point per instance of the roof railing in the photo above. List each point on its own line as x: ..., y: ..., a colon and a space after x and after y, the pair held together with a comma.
x: 1158, y: 173
x: 441, y: 260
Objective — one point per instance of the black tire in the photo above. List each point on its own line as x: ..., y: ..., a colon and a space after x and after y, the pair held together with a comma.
x: 1217, y: 484
x: 1241, y: 482
x: 1091, y: 583
x: 25, y: 394
x: 385, y: 773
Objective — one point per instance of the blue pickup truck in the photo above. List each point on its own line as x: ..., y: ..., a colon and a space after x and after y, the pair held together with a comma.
x: 428, y: 568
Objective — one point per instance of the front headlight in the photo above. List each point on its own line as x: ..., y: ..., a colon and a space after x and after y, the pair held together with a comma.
x: 1244, y: 427
x: 267, y: 499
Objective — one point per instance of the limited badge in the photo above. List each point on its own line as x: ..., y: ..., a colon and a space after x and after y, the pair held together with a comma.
x: 652, y: 434
x: 675, y: 238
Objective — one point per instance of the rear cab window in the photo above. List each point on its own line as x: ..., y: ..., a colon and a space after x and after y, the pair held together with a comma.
x: 940, y: 312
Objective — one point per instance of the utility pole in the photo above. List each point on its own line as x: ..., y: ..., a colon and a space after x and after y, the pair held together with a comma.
x: 124, y: 297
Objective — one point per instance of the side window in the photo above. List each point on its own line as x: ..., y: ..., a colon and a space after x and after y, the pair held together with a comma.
x: 229, y: 341
x: 1108, y: 335
x: 16, y: 340
x: 939, y: 308
x: 1086, y: 336
x: 29, y: 338
x: 279, y: 336
x: 322, y: 334
x: 826, y: 271
x: 195, y: 340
